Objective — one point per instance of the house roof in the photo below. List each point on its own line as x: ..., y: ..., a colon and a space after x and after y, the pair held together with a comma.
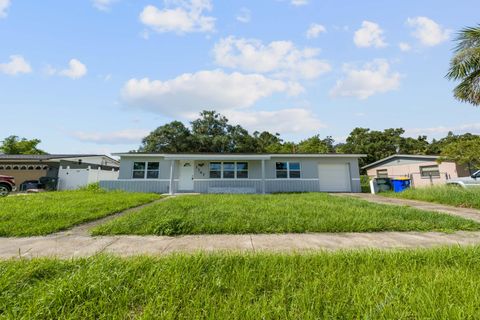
x: 400, y: 156
x: 46, y: 157
x: 236, y: 156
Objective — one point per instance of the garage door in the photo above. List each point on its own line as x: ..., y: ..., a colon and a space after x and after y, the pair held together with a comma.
x: 334, y: 177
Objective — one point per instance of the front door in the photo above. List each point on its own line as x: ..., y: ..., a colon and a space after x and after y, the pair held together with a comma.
x: 186, y: 176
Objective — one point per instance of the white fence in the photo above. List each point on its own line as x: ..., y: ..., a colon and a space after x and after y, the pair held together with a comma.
x: 71, y: 179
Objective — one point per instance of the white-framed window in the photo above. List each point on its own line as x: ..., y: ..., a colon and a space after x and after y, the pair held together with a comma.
x: 382, y: 173
x: 288, y: 170
x: 146, y: 170
x: 430, y: 171
x: 229, y: 170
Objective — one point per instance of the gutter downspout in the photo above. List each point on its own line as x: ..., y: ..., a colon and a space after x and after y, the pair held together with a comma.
x: 263, y: 176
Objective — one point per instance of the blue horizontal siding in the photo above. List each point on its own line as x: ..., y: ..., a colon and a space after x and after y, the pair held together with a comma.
x: 147, y: 186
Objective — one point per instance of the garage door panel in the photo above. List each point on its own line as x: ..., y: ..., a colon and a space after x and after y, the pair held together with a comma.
x: 334, y: 177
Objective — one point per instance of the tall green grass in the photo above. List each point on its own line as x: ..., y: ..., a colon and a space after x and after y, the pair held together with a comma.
x: 455, y: 196
x: 425, y: 284
x: 43, y: 213
x: 279, y: 213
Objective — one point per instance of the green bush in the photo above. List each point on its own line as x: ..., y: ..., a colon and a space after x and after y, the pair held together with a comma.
x: 92, y: 187
x: 365, y: 183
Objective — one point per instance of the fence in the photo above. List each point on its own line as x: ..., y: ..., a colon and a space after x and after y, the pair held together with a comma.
x: 71, y: 179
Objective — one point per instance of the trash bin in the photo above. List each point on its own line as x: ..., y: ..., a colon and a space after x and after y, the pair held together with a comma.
x: 400, y: 184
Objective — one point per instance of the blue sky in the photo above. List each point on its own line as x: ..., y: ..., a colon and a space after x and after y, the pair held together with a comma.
x: 96, y: 76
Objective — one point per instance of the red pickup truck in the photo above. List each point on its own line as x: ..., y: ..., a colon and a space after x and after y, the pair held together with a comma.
x: 7, y: 185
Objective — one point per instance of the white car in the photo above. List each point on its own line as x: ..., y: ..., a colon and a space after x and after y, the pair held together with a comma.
x: 466, y: 182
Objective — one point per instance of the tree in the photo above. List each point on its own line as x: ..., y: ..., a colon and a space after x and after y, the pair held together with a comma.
x: 316, y: 145
x: 465, y: 66
x: 465, y: 151
x: 15, y: 145
x: 381, y: 144
x: 211, y: 132
x: 170, y: 138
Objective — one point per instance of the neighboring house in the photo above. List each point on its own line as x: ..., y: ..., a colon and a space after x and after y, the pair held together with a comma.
x: 237, y: 173
x: 422, y: 170
x: 61, y: 166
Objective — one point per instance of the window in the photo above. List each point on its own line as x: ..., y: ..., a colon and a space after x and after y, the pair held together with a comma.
x: 146, y: 170
x: 382, y: 173
x: 294, y: 170
x: 242, y: 170
x: 153, y: 169
x: 288, y: 170
x: 138, y: 170
x: 229, y: 170
x: 429, y: 171
x: 215, y: 170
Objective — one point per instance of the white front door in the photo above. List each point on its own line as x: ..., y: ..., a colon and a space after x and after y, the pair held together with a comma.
x: 186, y: 176
x: 334, y: 177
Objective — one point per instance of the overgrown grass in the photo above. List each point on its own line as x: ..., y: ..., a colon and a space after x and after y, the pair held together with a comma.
x: 43, y: 213
x: 280, y: 213
x: 450, y: 195
x: 424, y: 284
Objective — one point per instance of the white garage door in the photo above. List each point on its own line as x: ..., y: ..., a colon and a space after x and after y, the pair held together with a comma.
x: 334, y: 177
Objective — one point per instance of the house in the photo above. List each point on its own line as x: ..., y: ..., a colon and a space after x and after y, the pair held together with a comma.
x: 422, y: 170
x: 236, y: 173
x: 66, y: 167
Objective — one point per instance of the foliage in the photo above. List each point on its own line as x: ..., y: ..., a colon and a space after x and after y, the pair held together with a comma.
x: 92, y: 187
x: 449, y: 195
x: 465, y: 66
x: 212, y: 132
x: 279, y: 213
x: 44, y: 213
x: 463, y: 151
x: 15, y: 145
x: 365, y: 183
x: 381, y: 144
x: 368, y: 284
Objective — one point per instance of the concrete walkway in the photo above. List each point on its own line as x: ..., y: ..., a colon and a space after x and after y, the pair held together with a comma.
x: 466, y: 213
x: 78, y: 243
x: 69, y: 246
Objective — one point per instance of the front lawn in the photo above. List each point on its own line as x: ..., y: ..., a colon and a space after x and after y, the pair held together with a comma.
x: 449, y: 195
x: 43, y: 213
x: 423, y: 284
x: 279, y: 213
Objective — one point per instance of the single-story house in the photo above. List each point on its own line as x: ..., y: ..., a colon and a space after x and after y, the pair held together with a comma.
x: 32, y: 167
x: 421, y: 169
x: 236, y: 173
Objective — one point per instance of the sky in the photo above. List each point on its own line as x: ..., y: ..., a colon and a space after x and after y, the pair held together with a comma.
x: 95, y: 76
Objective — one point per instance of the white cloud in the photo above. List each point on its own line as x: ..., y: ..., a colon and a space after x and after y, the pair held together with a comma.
x: 279, y: 58
x: 126, y: 136
x: 284, y: 121
x: 315, y: 30
x: 185, y: 16
x: 103, y: 5
x: 404, y: 46
x: 375, y: 77
x: 244, y: 16
x: 428, y: 31
x: 4, y: 4
x: 299, y: 2
x: 76, y: 70
x: 16, y: 65
x: 192, y: 92
x: 443, y: 130
x: 369, y: 35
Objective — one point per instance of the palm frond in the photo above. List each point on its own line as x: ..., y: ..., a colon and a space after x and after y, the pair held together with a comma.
x: 468, y: 38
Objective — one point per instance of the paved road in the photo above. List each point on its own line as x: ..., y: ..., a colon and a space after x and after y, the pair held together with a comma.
x: 77, y: 243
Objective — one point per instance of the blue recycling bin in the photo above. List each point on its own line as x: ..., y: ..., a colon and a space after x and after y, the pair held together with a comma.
x: 400, y: 184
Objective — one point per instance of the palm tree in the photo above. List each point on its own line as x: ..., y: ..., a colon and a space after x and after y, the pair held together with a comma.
x: 465, y: 66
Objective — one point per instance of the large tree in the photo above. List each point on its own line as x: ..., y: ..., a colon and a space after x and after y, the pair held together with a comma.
x: 316, y: 145
x: 465, y: 150
x: 170, y: 138
x: 15, y: 145
x: 380, y: 144
x: 465, y: 66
